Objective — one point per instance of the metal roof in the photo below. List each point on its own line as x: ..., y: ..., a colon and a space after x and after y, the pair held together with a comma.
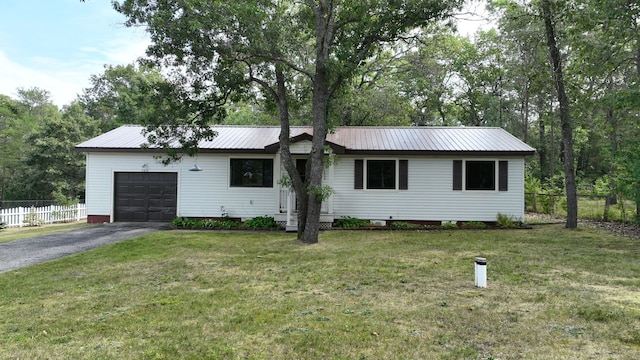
x: 354, y: 139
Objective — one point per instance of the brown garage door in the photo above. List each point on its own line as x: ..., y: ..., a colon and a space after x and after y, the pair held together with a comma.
x: 145, y: 196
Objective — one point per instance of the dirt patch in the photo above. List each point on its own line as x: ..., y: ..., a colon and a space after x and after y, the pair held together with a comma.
x: 624, y: 229
x: 630, y: 230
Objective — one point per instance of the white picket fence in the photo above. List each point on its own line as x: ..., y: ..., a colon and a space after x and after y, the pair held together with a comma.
x: 33, y: 216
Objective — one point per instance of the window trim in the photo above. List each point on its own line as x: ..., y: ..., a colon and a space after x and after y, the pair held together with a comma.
x: 401, y: 174
x: 482, y: 163
x: 500, y: 181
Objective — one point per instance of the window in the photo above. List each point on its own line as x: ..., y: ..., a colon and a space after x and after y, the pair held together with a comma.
x: 252, y: 172
x: 381, y: 174
x: 480, y: 175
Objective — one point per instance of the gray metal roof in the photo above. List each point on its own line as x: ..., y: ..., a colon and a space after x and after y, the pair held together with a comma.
x: 363, y: 140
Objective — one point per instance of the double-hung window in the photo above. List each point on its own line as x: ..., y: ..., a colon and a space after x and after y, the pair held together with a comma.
x: 251, y: 172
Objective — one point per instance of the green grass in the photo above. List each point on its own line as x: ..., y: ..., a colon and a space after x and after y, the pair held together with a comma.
x: 10, y: 234
x: 552, y: 293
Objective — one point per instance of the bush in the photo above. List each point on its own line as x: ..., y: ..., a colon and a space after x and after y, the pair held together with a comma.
x: 402, y: 225
x: 186, y: 223
x: 351, y: 222
x: 449, y: 225
x: 3, y: 225
x: 506, y: 222
x: 32, y: 218
x: 261, y: 222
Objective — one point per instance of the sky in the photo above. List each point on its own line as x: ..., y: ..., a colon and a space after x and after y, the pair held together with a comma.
x: 57, y: 45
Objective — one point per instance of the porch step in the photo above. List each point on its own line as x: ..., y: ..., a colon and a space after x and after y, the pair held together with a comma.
x: 293, y: 227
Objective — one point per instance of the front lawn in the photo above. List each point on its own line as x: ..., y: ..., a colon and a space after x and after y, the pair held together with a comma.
x: 11, y: 234
x: 552, y: 294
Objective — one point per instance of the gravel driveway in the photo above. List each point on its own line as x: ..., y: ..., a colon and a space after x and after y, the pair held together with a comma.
x: 25, y: 252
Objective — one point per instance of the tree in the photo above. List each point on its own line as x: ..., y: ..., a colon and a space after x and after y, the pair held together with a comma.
x: 21, y: 118
x: 123, y: 94
x: 226, y: 49
x: 428, y: 77
x: 565, y: 118
x: 54, y: 165
x: 11, y: 136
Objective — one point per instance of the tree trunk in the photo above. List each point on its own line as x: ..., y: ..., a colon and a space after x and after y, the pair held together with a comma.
x: 525, y: 112
x: 299, y: 186
x: 567, y: 132
x: 542, y: 143
x: 315, y: 163
x: 611, y: 198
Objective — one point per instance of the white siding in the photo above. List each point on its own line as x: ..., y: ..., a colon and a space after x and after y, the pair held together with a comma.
x: 430, y: 195
x: 301, y: 147
x: 200, y: 194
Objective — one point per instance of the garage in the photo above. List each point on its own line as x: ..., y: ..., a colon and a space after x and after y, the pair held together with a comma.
x: 145, y: 196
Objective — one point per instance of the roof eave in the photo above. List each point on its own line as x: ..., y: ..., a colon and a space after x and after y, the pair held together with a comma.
x: 143, y: 150
x: 477, y: 153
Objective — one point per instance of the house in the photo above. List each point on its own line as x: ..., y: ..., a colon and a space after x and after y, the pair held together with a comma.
x: 415, y: 174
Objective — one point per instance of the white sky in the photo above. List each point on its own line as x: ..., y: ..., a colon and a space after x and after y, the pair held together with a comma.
x: 56, y: 45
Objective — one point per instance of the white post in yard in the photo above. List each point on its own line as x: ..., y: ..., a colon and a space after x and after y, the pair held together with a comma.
x: 481, y: 271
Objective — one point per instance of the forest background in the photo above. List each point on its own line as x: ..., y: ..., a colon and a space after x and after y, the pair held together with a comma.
x: 500, y: 77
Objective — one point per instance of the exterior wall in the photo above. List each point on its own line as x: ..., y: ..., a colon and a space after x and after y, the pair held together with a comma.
x: 430, y: 196
x: 200, y: 194
x: 300, y: 147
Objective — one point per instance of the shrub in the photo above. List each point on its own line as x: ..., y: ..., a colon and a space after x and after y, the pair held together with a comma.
x: 449, y: 225
x: 351, y: 222
x: 32, y: 218
x: 506, y: 222
x: 261, y: 222
x: 402, y: 225
x: 3, y: 225
x: 186, y: 223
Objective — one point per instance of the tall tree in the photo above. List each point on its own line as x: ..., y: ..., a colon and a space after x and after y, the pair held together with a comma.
x: 565, y: 117
x: 122, y: 94
x: 12, y: 129
x: 224, y: 49
x: 55, y: 168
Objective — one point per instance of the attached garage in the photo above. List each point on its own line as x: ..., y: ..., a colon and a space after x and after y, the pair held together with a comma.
x: 145, y: 196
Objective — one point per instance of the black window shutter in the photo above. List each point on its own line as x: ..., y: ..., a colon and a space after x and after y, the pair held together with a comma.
x: 503, y: 176
x: 457, y: 174
x: 358, y: 176
x: 404, y: 175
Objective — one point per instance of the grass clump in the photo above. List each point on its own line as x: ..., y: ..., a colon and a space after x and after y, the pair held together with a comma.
x: 354, y: 295
x: 474, y: 225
